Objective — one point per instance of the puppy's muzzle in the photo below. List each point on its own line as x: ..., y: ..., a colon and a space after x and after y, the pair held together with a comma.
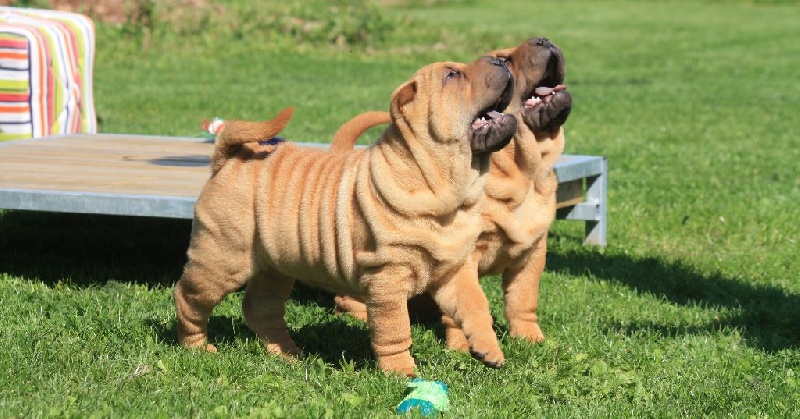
x: 549, y: 104
x: 492, y: 130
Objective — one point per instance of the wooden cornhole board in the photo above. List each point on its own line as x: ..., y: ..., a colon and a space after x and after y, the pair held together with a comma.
x: 155, y: 176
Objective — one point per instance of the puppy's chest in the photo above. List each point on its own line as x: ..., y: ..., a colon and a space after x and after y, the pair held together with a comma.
x: 498, y: 248
x: 509, y: 233
x: 448, y: 242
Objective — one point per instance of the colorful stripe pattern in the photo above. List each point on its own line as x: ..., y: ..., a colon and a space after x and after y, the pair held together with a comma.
x: 46, y: 61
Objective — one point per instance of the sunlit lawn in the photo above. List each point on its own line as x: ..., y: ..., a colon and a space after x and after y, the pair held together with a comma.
x: 692, y: 310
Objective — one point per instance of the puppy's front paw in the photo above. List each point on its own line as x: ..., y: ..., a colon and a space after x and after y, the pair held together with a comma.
x: 530, y: 332
x: 401, y: 363
x: 199, y: 344
x: 489, y: 353
x: 284, y: 349
x: 496, y: 360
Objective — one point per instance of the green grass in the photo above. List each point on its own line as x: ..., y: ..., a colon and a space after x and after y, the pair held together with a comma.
x: 693, y: 310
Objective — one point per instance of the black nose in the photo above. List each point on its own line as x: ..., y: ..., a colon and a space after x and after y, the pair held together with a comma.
x: 541, y: 42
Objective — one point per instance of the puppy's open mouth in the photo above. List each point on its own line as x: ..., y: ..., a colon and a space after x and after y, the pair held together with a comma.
x: 551, y: 83
x: 542, y: 95
x: 486, y: 120
x: 548, y: 104
x: 493, y: 115
x: 492, y: 129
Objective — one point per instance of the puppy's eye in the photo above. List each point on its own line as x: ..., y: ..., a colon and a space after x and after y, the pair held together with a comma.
x: 452, y: 74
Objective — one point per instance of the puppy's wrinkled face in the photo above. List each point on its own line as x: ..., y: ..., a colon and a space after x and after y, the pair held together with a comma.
x: 538, y: 68
x: 455, y: 102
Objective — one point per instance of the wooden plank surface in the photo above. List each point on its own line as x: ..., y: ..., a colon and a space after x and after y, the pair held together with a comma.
x: 146, y: 175
x: 110, y: 163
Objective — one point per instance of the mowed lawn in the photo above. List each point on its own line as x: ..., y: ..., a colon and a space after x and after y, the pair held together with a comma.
x: 692, y: 310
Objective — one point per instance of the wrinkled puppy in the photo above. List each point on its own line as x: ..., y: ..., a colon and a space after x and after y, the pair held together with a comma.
x: 520, y: 192
x: 384, y: 223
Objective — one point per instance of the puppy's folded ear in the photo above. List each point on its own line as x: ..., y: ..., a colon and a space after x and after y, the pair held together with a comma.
x: 402, y: 96
x: 505, y: 53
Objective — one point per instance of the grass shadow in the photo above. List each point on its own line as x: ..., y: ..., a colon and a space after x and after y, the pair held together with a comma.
x: 334, y: 341
x: 222, y: 329
x: 338, y: 339
x: 89, y: 249
x: 768, y: 317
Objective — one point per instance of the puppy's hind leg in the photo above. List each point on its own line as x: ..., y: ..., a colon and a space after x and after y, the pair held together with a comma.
x: 215, y: 268
x: 461, y: 298
x: 202, y: 287
x: 264, y: 306
x: 353, y: 306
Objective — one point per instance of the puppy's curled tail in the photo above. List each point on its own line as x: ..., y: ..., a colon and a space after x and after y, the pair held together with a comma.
x: 238, y: 132
x: 346, y: 136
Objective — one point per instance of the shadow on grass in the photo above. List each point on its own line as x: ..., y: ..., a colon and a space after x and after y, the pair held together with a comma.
x: 89, y: 250
x: 768, y: 317
x: 221, y: 330
x: 336, y: 341
x: 333, y: 340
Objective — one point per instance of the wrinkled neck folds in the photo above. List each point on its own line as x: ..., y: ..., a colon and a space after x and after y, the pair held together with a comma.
x: 435, y: 178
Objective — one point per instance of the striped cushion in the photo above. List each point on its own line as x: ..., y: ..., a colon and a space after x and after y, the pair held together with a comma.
x: 46, y: 60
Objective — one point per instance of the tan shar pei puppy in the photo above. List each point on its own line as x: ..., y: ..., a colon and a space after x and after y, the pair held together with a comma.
x: 385, y: 223
x: 520, y: 193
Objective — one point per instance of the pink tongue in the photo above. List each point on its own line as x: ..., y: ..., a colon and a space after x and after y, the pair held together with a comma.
x: 546, y: 91
x: 494, y: 114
